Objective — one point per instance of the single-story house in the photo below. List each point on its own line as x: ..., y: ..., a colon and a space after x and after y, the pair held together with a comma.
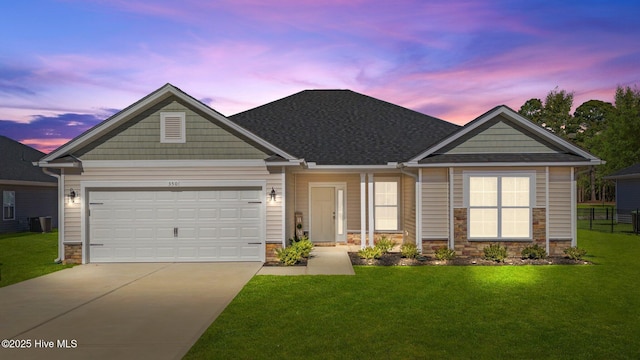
x: 171, y: 179
x: 27, y: 193
x: 627, y: 191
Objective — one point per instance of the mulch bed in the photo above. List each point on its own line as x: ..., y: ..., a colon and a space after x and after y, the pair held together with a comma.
x: 301, y: 262
x: 396, y: 259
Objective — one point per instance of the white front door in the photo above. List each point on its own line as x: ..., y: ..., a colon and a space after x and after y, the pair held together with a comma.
x: 323, y: 206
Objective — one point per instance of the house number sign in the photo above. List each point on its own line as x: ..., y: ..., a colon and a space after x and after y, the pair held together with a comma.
x: 174, y: 183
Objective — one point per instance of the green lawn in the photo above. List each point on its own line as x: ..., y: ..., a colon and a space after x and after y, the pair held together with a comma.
x: 549, y: 312
x: 27, y: 255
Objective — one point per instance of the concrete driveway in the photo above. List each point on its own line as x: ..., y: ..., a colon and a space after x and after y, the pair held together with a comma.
x: 124, y: 311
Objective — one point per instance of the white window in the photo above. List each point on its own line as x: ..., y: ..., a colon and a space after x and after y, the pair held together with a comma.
x: 8, y: 205
x: 499, y: 205
x: 172, y: 127
x: 386, y: 205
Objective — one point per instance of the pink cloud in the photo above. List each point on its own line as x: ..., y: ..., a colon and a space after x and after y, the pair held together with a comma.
x: 45, y: 145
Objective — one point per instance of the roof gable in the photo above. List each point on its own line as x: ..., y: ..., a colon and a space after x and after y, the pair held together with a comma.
x: 342, y: 127
x: 138, y: 123
x: 140, y: 138
x: 17, y: 162
x: 503, y: 136
x: 499, y: 136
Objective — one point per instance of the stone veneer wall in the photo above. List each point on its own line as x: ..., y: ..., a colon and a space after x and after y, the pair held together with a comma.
x: 466, y: 248
x: 354, y: 238
x: 430, y: 246
x: 72, y: 254
x: 271, y: 251
x: 557, y: 247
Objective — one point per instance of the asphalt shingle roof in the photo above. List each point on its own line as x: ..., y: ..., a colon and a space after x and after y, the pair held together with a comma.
x: 631, y: 170
x: 342, y: 127
x: 17, y: 159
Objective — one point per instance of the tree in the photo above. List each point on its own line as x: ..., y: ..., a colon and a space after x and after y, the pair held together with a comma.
x: 620, y: 140
x: 532, y: 110
x: 556, y: 114
x: 592, y: 117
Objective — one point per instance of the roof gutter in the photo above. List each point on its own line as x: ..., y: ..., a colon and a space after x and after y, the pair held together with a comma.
x: 388, y: 166
x: 60, y: 214
x: 296, y: 162
x: 499, y: 164
x: 44, y: 164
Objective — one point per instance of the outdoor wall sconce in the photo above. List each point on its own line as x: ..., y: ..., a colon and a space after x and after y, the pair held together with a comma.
x: 72, y: 195
x: 272, y: 194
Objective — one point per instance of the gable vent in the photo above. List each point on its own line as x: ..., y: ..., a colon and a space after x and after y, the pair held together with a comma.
x: 172, y: 127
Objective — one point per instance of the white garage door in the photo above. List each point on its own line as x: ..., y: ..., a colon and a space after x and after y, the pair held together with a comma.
x: 160, y: 225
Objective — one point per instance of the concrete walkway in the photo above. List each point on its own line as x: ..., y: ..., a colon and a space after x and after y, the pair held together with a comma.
x: 118, y: 311
x: 323, y: 261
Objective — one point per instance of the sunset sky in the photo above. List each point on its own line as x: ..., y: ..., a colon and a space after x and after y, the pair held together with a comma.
x: 66, y: 65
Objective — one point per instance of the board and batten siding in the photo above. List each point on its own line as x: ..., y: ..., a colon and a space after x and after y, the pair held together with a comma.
x: 435, y: 203
x: 139, y: 139
x: 274, y: 211
x: 559, y: 220
x: 501, y: 138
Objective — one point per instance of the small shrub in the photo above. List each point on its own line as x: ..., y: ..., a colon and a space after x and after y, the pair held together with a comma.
x: 444, y: 253
x: 370, y: 253
x: 409, y: 251
x: 495, y: 252
x: 534, y: 251
x: 385, y: 244
x: 575, y: 253
x: 289, y: 255
x: 304, y: 246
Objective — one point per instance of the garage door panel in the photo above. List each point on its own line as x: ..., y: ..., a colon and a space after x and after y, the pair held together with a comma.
x: 187, y: 214
x: 207, y: 216
x: 229, y: 214
x: 252, y: 214
x: 214, y: 225
x: 143, y: 214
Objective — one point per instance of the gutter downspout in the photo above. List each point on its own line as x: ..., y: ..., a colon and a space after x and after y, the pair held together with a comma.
x: 60, y: 214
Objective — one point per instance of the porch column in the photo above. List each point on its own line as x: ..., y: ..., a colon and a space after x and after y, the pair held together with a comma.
x: 452, y: 231
x: 574, y: 225
x: 547, y: 218
x: 371, y: 218
x: 363, y: 210
x: 419, y: 210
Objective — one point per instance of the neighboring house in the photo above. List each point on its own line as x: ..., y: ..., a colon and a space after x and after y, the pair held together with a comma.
x: 627, y: 191
x: 170, y: 179
x: 26, y: 191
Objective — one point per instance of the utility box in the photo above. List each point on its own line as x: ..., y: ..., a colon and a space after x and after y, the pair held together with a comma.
x: 34, y: 224
x: 45, y: 223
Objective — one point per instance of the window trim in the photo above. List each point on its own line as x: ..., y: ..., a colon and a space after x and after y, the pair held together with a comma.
x: 163, y: 127
x: 499, y: 175
x: 395, y: 180
x: 11, y: 206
